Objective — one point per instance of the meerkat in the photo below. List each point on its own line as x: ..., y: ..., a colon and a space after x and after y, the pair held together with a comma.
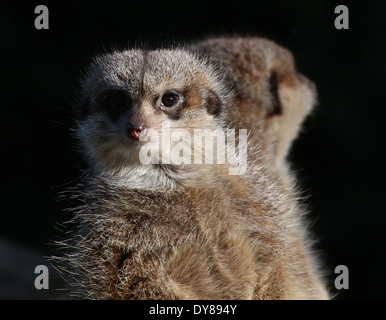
x: 164, y: 230
x: 272, y: 98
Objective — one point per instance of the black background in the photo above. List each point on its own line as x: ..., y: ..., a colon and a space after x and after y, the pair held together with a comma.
x: 339, y: 158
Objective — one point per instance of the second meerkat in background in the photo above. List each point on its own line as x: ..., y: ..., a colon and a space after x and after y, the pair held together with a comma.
x: 272, y: 99
x: 167, y: 231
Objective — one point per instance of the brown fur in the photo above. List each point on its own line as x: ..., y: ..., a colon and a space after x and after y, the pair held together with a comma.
x: 194, y: 231
x: 251, y: 62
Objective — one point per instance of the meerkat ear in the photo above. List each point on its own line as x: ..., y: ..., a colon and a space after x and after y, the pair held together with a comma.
x: 85, y: 108
x: 273, y: 88
x: 213, y: 103
x: 82, y: 109
x: 292, y: 98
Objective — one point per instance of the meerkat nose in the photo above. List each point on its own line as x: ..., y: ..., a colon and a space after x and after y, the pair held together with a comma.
x: 134, y: 131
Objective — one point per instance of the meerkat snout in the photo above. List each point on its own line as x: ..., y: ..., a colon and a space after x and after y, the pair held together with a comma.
x: 135, y: 131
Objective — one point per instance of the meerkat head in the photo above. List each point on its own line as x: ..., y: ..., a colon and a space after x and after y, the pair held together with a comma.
x: 127, y: 95
x: 272, y: 97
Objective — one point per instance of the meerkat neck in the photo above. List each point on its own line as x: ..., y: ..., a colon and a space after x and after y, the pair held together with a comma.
x: 140, y: 176
x: 163, y: 177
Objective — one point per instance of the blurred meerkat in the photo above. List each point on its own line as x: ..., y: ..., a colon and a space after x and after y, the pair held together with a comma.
x: 190, y: 231
x: 272, y: 98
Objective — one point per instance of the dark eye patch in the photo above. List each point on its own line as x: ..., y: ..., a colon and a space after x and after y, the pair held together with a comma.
x: 115, y: 102
x: 273, y: 88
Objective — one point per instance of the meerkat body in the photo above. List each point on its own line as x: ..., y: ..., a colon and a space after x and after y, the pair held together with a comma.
x: 191, y: 231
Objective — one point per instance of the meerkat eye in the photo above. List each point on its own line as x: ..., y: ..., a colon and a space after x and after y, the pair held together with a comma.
x: 170, y: 99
